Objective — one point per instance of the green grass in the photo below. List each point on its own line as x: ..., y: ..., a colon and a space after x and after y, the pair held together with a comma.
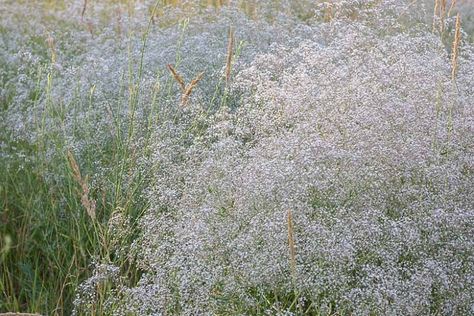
x: 47, y: 239
x: 51, y: 241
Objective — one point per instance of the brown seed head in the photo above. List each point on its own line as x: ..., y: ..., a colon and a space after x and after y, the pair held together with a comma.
x: 291, y: 244
x: 177, y: 77
x: 87, y: 203
x: 189, y: 89
x: 455, y: 48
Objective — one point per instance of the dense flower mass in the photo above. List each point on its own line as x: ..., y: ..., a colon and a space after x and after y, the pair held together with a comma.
x: 332, y: 173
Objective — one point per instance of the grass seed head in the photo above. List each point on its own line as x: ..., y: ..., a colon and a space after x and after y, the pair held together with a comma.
x: 189, y: 89
x: 88, y: 203
x: 455, y: 48
x: 177, y: 77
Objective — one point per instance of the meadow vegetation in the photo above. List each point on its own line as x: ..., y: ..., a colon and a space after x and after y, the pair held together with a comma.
x: 267, y: 157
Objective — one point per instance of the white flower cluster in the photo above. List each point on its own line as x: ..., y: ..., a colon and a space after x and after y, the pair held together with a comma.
x: 362, y: 134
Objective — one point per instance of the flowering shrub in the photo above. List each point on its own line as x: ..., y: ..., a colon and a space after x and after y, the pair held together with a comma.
x: 361, y: 133
x: 332, y: 174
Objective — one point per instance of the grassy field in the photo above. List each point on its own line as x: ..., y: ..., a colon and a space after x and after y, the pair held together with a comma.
x: 237, y: 157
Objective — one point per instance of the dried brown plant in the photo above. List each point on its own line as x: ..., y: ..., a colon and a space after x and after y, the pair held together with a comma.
x: 177, y: 77
x: 435, y: 14
x: 189, y: 88
x: 442, y: 15
x: 451, y: 7
x: 88, y: 203
x: 456, y: 45
x: 291, y: 244
x: 230, y: 48
x: 439, y: 15
x: 52, y: 48
x: 84, y: 7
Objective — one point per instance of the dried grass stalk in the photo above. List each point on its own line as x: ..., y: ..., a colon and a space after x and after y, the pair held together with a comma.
x: 177, y: 77
x: 435, y: 14
x: 442, y: 15
x: 84, y: 7
x: 439, y: 14
x: 230, y: 48
x: 455, y: 49
x: 90, y: 27
x: 451, y: 7
x: 87, y: 203
x: 189, y: 89
x: 52, y: 48
x: 291, y: 244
